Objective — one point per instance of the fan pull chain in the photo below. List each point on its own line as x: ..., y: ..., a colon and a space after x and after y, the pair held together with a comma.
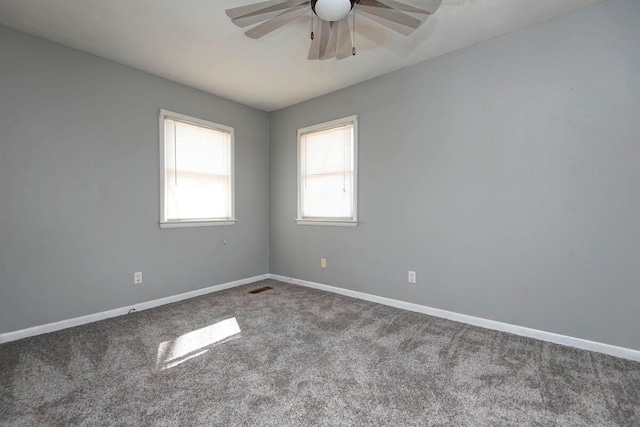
x: 312, y: 35
x: 353, y: 50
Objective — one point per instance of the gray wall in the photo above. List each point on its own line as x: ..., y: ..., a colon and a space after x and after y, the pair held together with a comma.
x: 506, y: 174
x: 79, y: 187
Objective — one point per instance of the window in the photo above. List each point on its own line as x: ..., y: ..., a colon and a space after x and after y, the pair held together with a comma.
x: 196, y: 168
x: 327, y: 178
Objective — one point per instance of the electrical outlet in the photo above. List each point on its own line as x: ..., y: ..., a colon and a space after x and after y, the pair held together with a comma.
x: 323, y: 262
x: 412, y: 277
x: 137, y: 278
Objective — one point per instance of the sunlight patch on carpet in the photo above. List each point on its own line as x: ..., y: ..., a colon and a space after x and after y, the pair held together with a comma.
x: 192, y: 344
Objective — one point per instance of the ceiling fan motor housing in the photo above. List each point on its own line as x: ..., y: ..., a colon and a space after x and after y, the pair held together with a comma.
x: 332, y: 10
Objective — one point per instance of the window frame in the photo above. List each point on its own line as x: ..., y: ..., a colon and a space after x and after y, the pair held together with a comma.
x: 206, y: 222
x: 329, y: 221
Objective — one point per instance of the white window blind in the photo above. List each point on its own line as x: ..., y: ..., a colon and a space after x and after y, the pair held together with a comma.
x: 327, y: 165
x: 197, y: 171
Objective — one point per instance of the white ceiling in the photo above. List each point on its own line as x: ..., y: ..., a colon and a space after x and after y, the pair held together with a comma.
x: 193, y: 42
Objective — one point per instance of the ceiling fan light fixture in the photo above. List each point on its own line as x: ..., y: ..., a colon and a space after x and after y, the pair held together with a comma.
x: 332, y: 10
x: 332, y: 35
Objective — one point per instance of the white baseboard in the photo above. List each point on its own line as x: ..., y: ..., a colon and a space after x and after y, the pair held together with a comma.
x: 76, y: 321
x: 580, y: 343
x: 625, y: 353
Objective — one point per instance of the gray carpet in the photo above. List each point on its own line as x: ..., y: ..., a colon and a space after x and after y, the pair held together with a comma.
x: 305, y: 357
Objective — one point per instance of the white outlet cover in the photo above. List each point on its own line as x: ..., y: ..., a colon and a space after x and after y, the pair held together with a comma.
x: 412, y: 277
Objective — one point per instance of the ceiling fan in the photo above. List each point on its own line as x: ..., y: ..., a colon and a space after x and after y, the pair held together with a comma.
x: 332, y: 35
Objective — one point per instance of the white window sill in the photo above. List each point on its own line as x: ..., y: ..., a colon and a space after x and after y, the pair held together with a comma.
x: 182, y: 224
x: 328, y: 222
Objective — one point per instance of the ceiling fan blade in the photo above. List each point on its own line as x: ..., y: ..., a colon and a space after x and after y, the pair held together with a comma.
x: 252, y: 19
x: 344, y: 47
x: 324, y: 37
x: 314, y: 49
x: 391, y: 15
x: 262, y: 7
x: 321, y: 38
x: 277, y: 22
x: 430, y: 5
x: 403, y: 7
x: 247, y: 21
x: 330, y: 51
x: 373, y: 3
x: 401, y: 29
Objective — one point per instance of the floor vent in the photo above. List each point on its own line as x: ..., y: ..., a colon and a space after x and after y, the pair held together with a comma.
x: 257, y: 291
